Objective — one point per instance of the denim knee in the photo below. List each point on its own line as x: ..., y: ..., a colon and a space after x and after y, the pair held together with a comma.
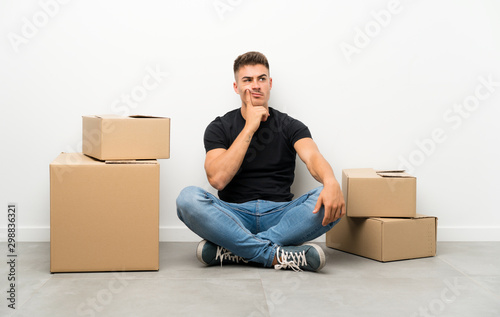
x: 186, y: 199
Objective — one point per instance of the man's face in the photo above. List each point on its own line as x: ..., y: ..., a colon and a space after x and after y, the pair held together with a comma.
x: 256, y: 79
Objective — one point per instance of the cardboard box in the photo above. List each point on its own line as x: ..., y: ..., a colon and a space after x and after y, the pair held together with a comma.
x: 104, y: 216
x: 370, y: 193
x: 112, y: 137
x: 385, y: 239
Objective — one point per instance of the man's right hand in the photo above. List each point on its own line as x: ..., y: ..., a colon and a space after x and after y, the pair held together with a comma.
x: 254, y: 115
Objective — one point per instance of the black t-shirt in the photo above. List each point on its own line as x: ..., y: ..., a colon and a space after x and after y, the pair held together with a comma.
x: 267, y: 171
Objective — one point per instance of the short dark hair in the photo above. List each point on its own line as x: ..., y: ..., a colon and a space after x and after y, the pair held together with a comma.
x: 250, y: 58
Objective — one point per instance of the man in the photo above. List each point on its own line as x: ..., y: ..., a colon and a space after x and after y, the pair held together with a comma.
x: 250, y: 160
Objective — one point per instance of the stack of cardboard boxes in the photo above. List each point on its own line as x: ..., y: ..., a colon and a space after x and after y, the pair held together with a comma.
x: 381, y: 222
x: 104, y: 202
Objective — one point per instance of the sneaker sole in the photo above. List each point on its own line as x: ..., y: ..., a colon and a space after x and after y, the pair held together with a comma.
x: 321, y: 253
x: 199, y: 251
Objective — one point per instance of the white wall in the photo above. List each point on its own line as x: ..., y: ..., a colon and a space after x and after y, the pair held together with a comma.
x: 367, y: 106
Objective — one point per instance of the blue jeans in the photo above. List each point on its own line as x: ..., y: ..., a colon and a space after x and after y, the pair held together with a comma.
x: 252, y: 230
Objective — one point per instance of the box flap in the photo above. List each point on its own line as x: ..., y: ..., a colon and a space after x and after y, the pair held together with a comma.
x: 371, y: 173
x: 115, y: 116
x: 418, y: 216
x: 139, y: 116
x: 131, y: 162
x: 397, y: 219
x: 390, y: 171
x: 395, y: 173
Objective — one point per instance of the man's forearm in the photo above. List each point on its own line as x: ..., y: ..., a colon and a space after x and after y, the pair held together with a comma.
x: 221, y: 170
x: 331, y: 197
x: 321, y: 170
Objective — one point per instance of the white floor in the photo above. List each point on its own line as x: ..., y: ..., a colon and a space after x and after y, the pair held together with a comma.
x: 462, y: 280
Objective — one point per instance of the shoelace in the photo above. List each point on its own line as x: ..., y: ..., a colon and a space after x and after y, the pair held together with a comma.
x: 297, y: 259
x: 223, y: 253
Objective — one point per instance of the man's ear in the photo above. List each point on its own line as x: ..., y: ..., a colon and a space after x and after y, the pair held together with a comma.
x: 235, y: 87
x: 270, y: 82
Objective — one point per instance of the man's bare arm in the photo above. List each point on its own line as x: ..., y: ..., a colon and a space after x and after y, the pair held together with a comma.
x: 331, y: 196
x: 221, y: 165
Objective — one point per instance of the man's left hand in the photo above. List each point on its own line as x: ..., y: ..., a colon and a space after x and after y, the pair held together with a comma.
x: 332, y: 199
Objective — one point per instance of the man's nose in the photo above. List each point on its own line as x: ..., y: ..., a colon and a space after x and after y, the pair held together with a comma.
x: 255, y: 85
